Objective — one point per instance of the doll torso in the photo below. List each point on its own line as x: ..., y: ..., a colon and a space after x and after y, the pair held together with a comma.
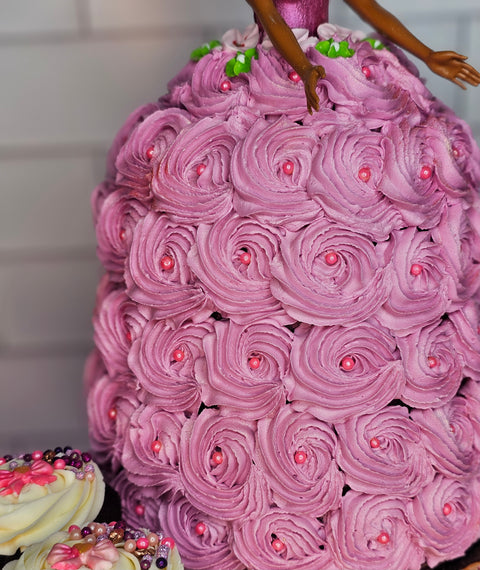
x: 303, y: 13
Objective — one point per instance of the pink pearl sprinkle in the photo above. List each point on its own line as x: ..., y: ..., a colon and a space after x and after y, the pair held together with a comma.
x: 150, y: 152
x: 73, y: 528
x: 366, y: 71
x: 217, y: 457
x: 112, y: 413
x: 142, y: 543
x: 331, y: 258
x: 288, y: 167
x: 140, y: 510
x: 374, y: 443
x: 168, y: 541
x: 447, y: 509
x: 122, y: 235
x: 300, y: 457
x: 200, y: 528
x: 432, y: 361
x: 383, y: 538
x: 2, y: 461
x: 364, y: 174
x: 277, y: 545
x: 456, y: 152
x: 37, y: 455
x: 347, y: 363
x: 167, y: 262
x: 59, y: 464
x: 293, y: 76
x: 416, y: 269
x: 156, y: 446
x: 245, y: 258
x: 225, y: 86
x: 254, y: 363
x: 426, y: 172
x: 178, y: 355
x: 201, y: 169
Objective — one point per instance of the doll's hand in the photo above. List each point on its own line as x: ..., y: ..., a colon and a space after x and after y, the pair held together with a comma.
x: 453, y: 66
x: 310, y: 79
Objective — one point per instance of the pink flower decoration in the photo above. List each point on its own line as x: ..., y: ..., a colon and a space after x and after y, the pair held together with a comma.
x: 100, y: 556
x: 39, y: 473
x: 235, y: 40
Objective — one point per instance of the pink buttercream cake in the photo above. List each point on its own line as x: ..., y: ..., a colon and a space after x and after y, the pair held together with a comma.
x: 287, y: 360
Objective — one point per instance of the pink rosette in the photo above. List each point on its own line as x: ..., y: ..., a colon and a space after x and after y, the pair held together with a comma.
x: 340, y: 372
x: 99, y: 196
x: 449, y: 436
x: 164, y: 362
x: 446, y: 516
x: 297, y: 454
x: 280, y: 540
x: 201, y: 548
x: 471, y: 392
x: 372, y: 531
x: 210, y: 92
x: 410, y: 179
x: 275, y: 89
x: 117, y: 322
x: 383, y: 453
x: 232, y: 261
x: 114, y: 228
x: 347, y: 172
x: 157, y: 273
x: 216, y: 466
x: 467, y: 340
x: 270, y: 169
x: 326, y: 274
x: 376, y: 100
x: 423, y: 282
x: 433, y: 368
x: 138, y: 159
x: 150, y: 453
x: 245, y: 367
x: 192, y: 183
x: 134, y: 119
x: 110, y: 405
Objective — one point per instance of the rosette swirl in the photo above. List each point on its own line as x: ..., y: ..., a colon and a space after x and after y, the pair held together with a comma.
x: 270, y: 169
x: 139, y: 157
x: 157, y: 273
x: 245, y: 367
x: 283, y: 540
x: 116, y: 221
x: 164, y: 362
x: 423, y: 282
x: 466, y: 322
x: 150, y: 454
x: 192, y: 183
x: 326, y: 274
x: 433, y: 368
x: 216, y: 465
x: 207, y: 550
x: 372, y: 531
x: 383, y: 453
x: 446, y: 517
x: 347, y: 173
x: 232, y: 261
x: 449, y: 437
x: 297, y: 453
x: 340, y: 372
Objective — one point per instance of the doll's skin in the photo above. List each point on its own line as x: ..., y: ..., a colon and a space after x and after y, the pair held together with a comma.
x: 448, y: 64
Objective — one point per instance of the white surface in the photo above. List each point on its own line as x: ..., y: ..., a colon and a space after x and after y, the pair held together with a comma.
x: 71, y: 72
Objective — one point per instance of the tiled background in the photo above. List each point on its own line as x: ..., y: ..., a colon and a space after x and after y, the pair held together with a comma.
x: 70, y: 72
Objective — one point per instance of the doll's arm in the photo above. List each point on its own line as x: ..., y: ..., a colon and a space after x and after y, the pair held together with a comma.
x: 448, y: 64
x: 285, y: 42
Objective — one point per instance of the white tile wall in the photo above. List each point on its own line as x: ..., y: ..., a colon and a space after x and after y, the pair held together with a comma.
x: 71, y: 71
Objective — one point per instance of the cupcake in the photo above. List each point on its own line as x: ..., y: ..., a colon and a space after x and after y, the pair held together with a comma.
x: 44, y: 492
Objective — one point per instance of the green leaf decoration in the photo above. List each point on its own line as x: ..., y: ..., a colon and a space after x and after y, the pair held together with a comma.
x: 203, y: 50
x: 376, y: 44
x: 241, y: 63
x: 332, y: 49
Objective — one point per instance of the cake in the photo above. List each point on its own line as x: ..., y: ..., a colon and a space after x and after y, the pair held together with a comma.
x: 286, y: 372
x: 45, y: 492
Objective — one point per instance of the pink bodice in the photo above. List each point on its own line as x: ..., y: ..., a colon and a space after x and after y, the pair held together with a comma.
x: 303, y: 13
